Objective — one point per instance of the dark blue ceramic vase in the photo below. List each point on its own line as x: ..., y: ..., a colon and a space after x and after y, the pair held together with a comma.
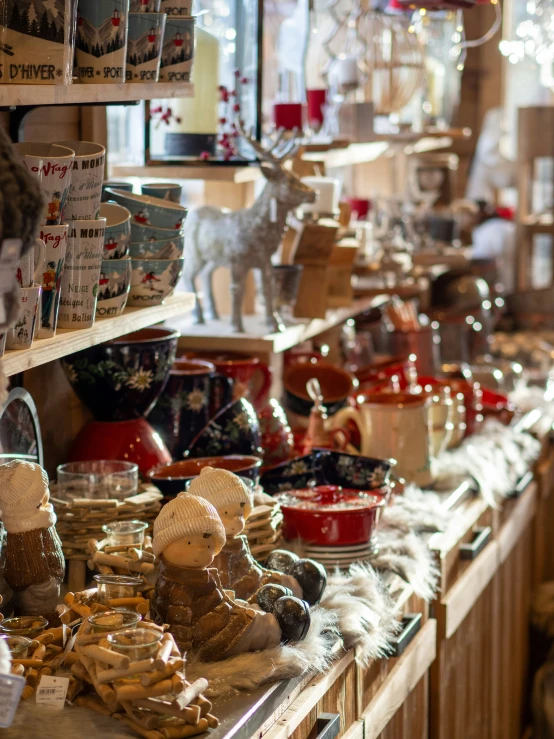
x: 193, y: 394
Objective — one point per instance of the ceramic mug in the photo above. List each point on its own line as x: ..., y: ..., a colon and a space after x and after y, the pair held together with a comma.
x: 22, y: 334
x: 145, y: 6
x: 177, y: 50
x: 118, y: 230
x: 83, y: 202
x: 30, y: 265
x: 52, y: 165
x: 177, y: 7
x: 165, y: 190
x: 113, y: 287
x: 55, y: 240
x: 144, y: 46
x: 395, y: 426
x: 194, y: 393
x: 79, y: 291
x: 101, y: 41
x: 38, y: 47
x: 243, y: 370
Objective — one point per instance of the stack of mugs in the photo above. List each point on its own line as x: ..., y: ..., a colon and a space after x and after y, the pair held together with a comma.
x: 134, y: 41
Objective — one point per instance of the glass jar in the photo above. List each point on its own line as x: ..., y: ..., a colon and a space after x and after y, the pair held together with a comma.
x: 125, y: 533
x: 111, y: 587
x: 101, y: 479
x: 137, y: 644
x: 18, y: 645
x: 116, y: 620
x: 29, y: 626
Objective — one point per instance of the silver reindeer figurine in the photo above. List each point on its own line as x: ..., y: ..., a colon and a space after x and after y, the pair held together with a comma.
x: 244, y: 239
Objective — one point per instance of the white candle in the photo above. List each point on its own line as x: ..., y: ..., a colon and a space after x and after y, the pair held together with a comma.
x: 327, y: 194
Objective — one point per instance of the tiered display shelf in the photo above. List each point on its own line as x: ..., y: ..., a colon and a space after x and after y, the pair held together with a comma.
x: 194, y: 171
x: 218, y: 335
x: 14, y: 95
x: 68, y: 341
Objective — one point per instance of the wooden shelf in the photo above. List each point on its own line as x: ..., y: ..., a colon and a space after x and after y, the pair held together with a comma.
x: 68, y: 341
x: 217, y: 335
x: 538, y: 224
x: 210, y: 173
x: 76, y: 94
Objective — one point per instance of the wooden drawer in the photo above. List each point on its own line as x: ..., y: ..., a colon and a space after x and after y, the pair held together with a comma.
x: 403, y: 694
x: 332, y: 693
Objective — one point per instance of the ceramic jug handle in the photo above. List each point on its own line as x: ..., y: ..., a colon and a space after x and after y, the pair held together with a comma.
x: 339, y: 419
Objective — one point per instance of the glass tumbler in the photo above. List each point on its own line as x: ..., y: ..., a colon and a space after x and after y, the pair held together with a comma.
x: 100, y: 479
x: 113, y: 621
x: 137, y: 644
x: 29, y: 626
x: 18, y: 645
x: 112, y: 587
x: 125, y: 533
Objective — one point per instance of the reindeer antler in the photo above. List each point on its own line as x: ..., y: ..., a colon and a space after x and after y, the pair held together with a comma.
x: 274, y: 154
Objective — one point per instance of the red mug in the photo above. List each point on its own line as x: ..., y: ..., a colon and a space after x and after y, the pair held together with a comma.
x: 243, y: 370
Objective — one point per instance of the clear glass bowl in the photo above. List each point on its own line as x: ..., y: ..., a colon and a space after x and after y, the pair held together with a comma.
x: 18, y: 645
x: 111, y: 587
x: 116, y: 620
x: 125, y: 533
x: 29, y: 626
x: 100, y: 479
x: 137, y: 644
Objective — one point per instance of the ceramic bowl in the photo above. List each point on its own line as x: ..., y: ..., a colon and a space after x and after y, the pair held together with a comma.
x: 149, y: 211
x: 153, y: 280
x: 336, y: 385
x: 330, y: 515
x: 353, y: 471
x: 234, y: 430
x: 126, y: 186
x: 164, y: 190
x: 383, y: 370
x: 170, y: 479
x: 113, y: 287
x: 141, y: 232
x: 295, y: 474
x: 277, y: 438
x: 122, y: 379
x: 118, y: 230
x: 166, y: 249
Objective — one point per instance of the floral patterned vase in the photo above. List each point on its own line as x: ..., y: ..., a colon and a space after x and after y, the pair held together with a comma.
x: 277, y: 438
x: 234, y: 430
x: 122, y: 379
x: 187, y: 403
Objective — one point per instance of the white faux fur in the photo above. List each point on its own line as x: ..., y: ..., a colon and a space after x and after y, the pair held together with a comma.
x: 251, y: 670
x: 42, y: 519
x: 364, y: 609
x: 5, y: 658
x: 497, y: 457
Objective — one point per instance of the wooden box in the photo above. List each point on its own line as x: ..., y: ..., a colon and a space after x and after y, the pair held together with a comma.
x: 339, y: 283
x: 313, y: 250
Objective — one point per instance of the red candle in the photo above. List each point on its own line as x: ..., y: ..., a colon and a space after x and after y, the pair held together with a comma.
x: 316, y: 103
x: 359, y: 207
x: 288, y: 115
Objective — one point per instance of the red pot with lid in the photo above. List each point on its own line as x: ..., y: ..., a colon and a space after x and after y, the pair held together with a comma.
x: 331, y: 515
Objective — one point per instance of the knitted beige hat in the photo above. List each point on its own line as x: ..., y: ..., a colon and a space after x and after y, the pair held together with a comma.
x: 220, y: 487
x: 185, y: 516
x: 22, y: 488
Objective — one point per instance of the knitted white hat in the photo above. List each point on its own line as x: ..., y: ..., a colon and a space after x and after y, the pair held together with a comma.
x: 185, y: 516
x: 220, y: 487
x: 22, y: 488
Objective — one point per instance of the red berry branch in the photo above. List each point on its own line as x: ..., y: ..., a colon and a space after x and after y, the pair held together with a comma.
x: 229, y: 108
x: 159, y: 115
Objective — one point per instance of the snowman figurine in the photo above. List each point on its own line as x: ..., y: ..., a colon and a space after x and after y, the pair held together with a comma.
x: 34, y: 565
x: 238, y: 570
x: 204, y: 619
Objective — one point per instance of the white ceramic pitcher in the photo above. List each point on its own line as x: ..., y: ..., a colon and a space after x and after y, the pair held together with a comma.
x: 395, y: 425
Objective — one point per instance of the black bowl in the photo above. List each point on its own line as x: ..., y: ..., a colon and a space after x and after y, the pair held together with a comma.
x: 234, y: 430
x: 122, y: 379
x: 295, y: 474
x: 353, y: 471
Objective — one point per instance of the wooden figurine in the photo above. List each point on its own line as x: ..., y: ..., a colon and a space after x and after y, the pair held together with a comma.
x: 237, y: 568
x: 203, y: 618
x: 34, y: 565
x: 245, y: 239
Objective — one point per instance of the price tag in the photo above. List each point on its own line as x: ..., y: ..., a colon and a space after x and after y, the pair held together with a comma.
x: 52, y: 691
x: 11, y: 687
